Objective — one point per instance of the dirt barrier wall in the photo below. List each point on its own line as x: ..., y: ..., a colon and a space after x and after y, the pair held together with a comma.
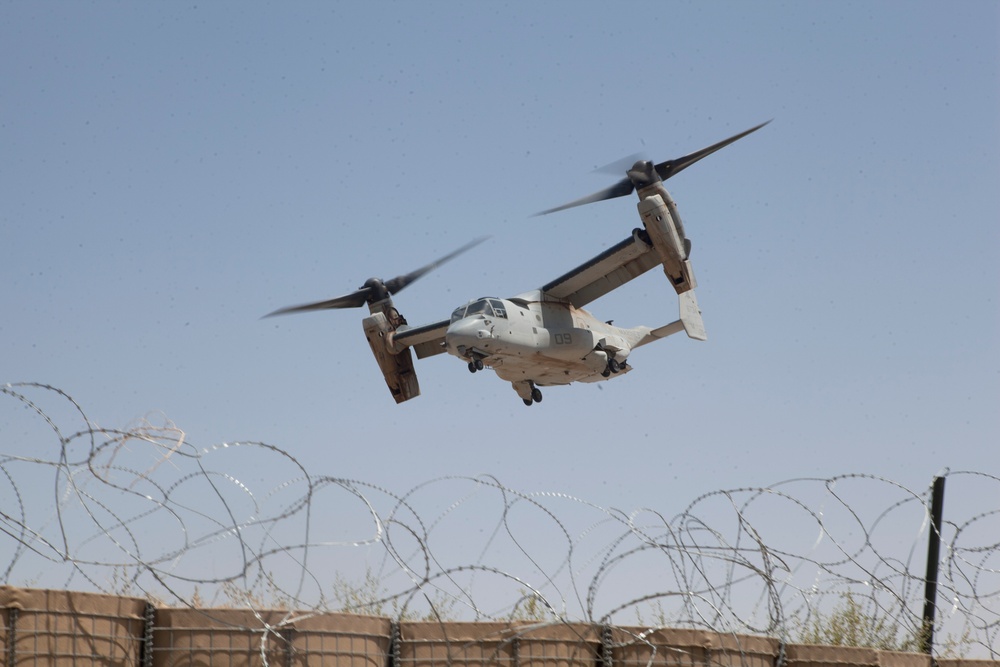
x: 45, y: 627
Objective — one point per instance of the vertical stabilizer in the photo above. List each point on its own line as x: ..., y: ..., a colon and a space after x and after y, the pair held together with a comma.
x: 694, y: 326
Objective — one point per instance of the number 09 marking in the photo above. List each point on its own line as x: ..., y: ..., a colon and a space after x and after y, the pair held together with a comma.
x: 564, y: 339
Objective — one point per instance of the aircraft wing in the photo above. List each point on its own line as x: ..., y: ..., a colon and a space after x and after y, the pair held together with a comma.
x: 426, y: 340
x: 608, y: 271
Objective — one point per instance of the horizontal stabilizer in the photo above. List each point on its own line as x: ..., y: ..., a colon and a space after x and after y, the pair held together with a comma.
x: 664, y: 331
x: 690, y: 322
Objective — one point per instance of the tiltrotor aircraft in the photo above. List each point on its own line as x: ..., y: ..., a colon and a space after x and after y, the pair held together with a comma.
x: 544, y: 337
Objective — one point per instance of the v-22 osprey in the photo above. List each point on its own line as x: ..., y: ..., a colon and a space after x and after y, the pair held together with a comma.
x: 544, y: 337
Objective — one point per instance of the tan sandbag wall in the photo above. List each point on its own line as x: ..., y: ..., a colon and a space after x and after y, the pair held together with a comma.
x: 428, y: 644
x: 242, y: 638
x: 56, y: 628
x: 43, y: 627
x: 639, y: 647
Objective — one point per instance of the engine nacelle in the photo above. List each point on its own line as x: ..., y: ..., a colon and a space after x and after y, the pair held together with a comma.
x: 396, y: 368
x: 666, y: 232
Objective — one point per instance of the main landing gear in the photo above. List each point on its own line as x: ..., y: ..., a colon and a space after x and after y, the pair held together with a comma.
x: 536, y: 396
x: 528, y: 392
x: 475, y: 365
x: 613, y: 367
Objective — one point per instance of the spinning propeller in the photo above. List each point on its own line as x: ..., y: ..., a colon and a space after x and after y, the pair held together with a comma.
x: 375, y: 289
x: 644, y: 173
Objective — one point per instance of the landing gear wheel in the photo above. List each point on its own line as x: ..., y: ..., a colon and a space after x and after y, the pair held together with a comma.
x: 472, y: 367
x: 527, y: 401
x: 478, y: 364
x: 536, y: 395
x: 613, y: 365
x: 606, y: 372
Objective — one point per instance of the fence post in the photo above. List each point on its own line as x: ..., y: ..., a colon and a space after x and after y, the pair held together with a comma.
x: 11, y: 636
x: 605, y: 660
x: 933, y: 560
x: 148, y: 623
x: 394, y: 640
x: 287, y: 635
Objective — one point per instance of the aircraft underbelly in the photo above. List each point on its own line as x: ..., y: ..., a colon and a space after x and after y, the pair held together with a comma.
x: 544, y: 357
x: 561, y: 346
x: 540, y: 369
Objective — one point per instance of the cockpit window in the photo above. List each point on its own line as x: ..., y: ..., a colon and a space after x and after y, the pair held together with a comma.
x: 482, y: 306
x: 485, y: 307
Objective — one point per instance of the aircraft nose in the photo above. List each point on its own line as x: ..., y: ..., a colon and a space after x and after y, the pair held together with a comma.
x: 466, y: 334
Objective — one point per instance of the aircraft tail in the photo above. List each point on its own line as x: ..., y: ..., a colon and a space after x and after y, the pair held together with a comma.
x: 690, y: 322
x: 694, y: 326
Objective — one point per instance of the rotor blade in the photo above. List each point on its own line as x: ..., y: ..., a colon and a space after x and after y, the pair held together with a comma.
x: 399, y: 283
x: 621, y: 165
x: 619, y: 189
x: 352, y: 300
x: 673, y: 167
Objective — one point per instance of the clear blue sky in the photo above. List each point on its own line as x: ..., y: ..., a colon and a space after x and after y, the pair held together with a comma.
x: 171, y: 172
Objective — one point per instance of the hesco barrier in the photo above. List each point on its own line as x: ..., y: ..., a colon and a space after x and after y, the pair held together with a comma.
x: 238, y: 637
x: 46, y: 627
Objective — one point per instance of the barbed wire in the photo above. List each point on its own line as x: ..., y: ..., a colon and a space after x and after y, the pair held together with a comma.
x: 143, y: 511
